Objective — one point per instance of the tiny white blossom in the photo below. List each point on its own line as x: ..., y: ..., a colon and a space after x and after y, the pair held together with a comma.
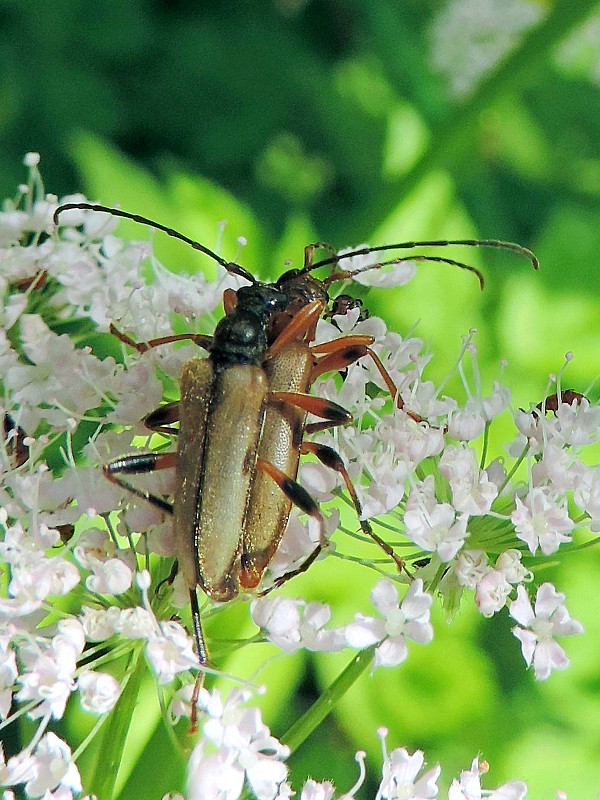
x: 472, y: 491
x: 468, y: 423
x: 136, y: 623
x: 317, y: 791
x: 509, y: 562
x: 293, y: 624
x: 300, y: 540
x: 8, y: 675
x: 98, y: 691
x: 99, y: 623
x: 492, y: 592
x: 325, y: 790
x: 18, y: 769
x: 396, y: 274
x: 400, y: 775
x: 53, y: 767
x: 433, y: 526
x: 113, y: 576
x: 48, y: 677
x: 237, y: 745
x: 407, y: 619
x: 542, y: 522
x: 587, y: 495
x: 470, y: 567
x: 214, y: 776
x: 549, y: 619
x: 171, y: 652
x: 468, y: 39
x: 468, y: 786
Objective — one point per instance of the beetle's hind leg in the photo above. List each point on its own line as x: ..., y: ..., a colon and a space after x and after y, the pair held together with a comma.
x: 329, y: 457
x: 334, y: 415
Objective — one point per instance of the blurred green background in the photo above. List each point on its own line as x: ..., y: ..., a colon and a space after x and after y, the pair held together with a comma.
x: 378, y: 121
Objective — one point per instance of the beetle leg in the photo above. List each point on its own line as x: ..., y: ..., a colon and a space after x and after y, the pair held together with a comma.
x: 348, y: 350
x: 333, y: 460
x: 229, y: 300
x: 162, y: 418
x: 302, y: 325
x: 198, y: 635
x: 149, y: 462
x: 333, y: 413
x: 201, y: 339
x: 309, y: 252
x: 135, y: 465
x: 298, y: 571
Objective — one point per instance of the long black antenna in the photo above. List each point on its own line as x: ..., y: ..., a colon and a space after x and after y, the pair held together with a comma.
x: 230, y: 266
x: 363, y: 251
x: 343, y: 274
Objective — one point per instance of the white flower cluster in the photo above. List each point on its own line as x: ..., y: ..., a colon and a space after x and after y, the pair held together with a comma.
x: 238, y: 746
x: 293, y: 624
x: 76, y: 549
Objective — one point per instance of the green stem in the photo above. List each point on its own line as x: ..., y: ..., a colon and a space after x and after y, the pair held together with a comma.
x: 486, y: 439
x: 308, y: 722
x: 515, y: 467
x: 104, y: 778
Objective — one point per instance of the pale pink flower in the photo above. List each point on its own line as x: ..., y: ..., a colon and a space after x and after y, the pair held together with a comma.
x: 539, y: 628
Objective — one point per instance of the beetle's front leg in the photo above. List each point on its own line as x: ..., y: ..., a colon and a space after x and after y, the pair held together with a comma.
x: 136, y: 465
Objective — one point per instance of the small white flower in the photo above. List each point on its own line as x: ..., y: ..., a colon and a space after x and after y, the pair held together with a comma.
x: 136, y: 623
x: 300, y: 540
x: 99, y: 623
x: 542, y: 522
x: 468, y: 786
x: 408, y: 619
x: 236, y: 745
x: 18, y: 769
x: 325, y: 790
x: 492, y: 592
x: 293, y: 624
x: 400, y: 775
x: 431, y: 525
x: 214, y: 776
x: 53, y: 767
x: 472, y: 491
x: 170, y: 653
x: 48, y: 676
x: 510, y: 564
x: 396, y: 274
x: 8, y: 675
x: 549, y: 619
x: 98, y: 691
x: 587, y: 494
x: 470, y: 567
x: 113, y: 576
x: 317, y: 791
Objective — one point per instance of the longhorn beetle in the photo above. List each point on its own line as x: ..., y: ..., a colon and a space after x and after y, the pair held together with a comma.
x: 242, y: 417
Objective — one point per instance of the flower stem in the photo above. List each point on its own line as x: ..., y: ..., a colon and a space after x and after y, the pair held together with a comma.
x: 115, y: 735
x: 308, y: 722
